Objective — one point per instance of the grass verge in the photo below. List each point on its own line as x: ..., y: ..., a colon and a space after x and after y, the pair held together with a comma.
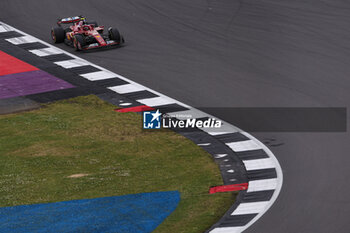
x: 79, y: 148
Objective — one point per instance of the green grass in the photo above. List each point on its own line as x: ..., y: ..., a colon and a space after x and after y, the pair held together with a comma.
x: 40, y: 149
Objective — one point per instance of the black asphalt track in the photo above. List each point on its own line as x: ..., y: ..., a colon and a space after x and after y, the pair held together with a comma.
x: 230, y: 53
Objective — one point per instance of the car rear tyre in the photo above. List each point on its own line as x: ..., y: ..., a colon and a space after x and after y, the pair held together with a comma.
x: 79, y: 42
x: 114, y: 34
x: 58, y: 34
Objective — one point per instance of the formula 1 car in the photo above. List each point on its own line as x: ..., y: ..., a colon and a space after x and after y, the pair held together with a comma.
x: 84, y: 35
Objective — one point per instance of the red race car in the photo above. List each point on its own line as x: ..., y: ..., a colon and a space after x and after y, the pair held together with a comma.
x: 83, y: 35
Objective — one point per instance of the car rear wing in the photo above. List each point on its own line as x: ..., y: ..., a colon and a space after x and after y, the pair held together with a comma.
x: 70, y: 20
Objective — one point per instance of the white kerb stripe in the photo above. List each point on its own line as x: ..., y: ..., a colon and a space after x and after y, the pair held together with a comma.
x: 261, y: 185
x: 215, y: 133
x: 157, y: 101
x: 243, y: 145
x: 71, y: 63
x: 223, y: 129
x: 125, y: 104
x: 46, y: 51
x: 127, y: 88
x: 219, y: 156
x: 98, y: 75
x: 204, y: 144
x: 250, y: 208
x: 256, y: 164
x: 227, y: 230
x: 4, y: 28
x: 22, y: 40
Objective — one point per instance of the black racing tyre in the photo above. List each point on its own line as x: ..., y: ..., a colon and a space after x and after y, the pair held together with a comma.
x: 58, y: 34
x: 93, y: 23
x: 79, y: 42
x: 114, y: 34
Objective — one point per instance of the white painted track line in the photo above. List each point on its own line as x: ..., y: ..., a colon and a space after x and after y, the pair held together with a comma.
x: 71, y: 63
x: 227, y: 230
x: 98, y: 75
x: 243, y: 146
x: 22, y: 40
x: 250, y: 208
x: 46, y: 51
x: 261, y: 185
x: 4, y: 28
x: 268, y: 184
x: 256, y: 164
x: 127, y: 88
x: 156, y: 101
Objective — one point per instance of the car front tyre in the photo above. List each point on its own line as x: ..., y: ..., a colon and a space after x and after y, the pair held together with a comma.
x: 79, y: 42
x: 114, y: 34
x: 58, y: 34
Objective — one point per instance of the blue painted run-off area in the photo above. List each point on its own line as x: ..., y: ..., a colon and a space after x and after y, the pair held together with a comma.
x: 131, y: 213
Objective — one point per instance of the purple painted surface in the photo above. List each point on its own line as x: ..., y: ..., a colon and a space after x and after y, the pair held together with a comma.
x: 28, y: 83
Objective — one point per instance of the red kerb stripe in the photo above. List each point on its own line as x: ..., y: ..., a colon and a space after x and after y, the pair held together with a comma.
x: 140, y: 108
x: 12, y: 65
x: 228, y: 188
